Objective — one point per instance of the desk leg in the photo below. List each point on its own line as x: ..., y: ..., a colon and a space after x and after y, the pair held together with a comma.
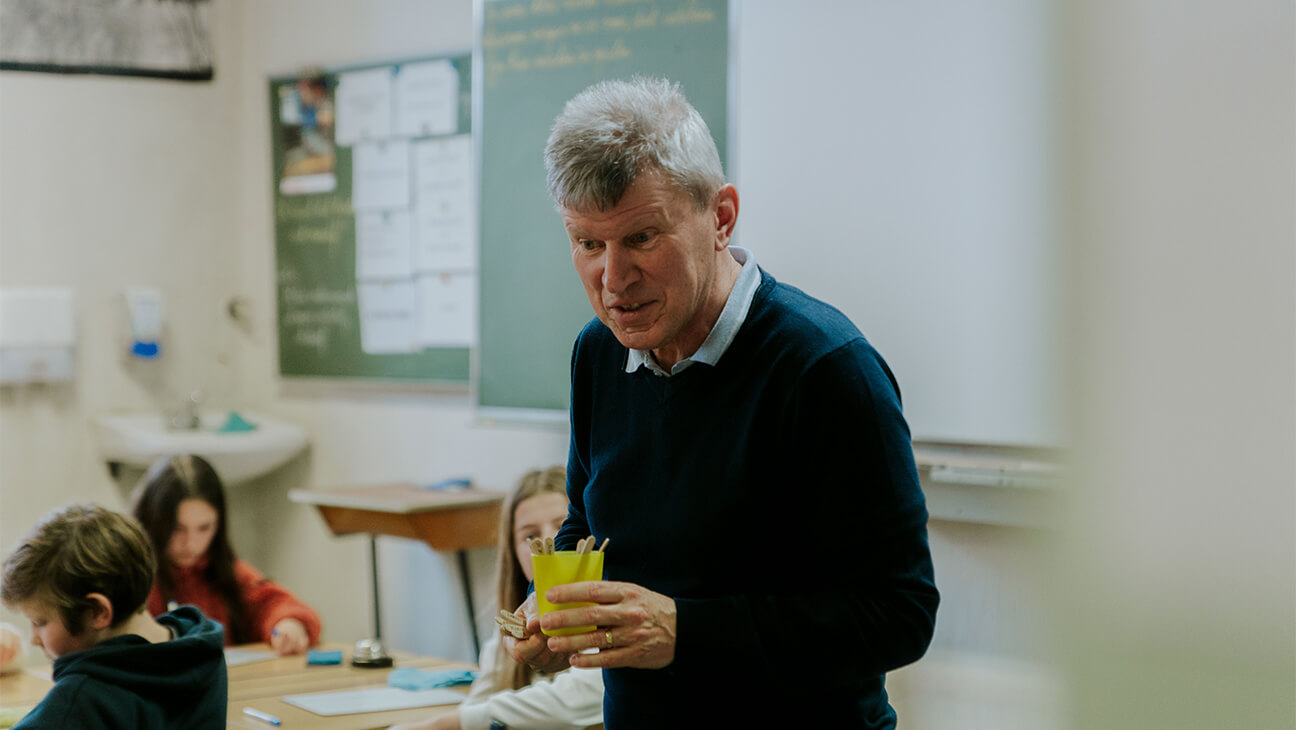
x: 377, y: 607
x: 467, y: 589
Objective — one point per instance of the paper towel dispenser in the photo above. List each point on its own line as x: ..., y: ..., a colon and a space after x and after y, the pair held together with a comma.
x: 37, y: 335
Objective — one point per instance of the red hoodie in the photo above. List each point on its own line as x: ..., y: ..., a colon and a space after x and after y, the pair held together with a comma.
x: 267, y: 602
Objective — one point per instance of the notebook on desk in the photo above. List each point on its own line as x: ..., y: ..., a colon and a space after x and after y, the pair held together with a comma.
x: 375, y: 699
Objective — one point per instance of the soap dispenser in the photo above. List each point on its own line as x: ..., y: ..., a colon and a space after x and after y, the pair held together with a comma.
x: 144, y: 307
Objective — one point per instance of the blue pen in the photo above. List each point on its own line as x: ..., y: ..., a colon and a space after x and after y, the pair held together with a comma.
x: 262, y: 716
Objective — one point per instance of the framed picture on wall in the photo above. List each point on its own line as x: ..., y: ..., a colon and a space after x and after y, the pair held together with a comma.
x: 168, y: 39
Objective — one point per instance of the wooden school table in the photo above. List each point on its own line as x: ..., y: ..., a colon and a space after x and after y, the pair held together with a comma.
x: 262, y: 685
x: 27, y: 687
x: 444, y: 519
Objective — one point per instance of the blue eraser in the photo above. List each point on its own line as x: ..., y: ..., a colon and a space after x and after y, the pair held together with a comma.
x: 452, y: 484
x: 324, y: 657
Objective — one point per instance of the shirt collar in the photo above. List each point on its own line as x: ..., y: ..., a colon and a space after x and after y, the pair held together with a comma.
x: 726, y: 327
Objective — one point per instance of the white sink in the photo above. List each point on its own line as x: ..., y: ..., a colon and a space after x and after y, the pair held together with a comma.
x: 139, y: 439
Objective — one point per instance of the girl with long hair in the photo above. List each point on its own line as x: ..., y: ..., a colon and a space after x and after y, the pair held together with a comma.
x: 180, y: 502
x: 505, y: 693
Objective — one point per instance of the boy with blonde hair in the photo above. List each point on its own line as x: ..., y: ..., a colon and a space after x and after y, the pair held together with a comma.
x: 82, y: 578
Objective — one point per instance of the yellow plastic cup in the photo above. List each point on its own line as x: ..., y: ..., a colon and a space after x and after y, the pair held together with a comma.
x: 561, y: 568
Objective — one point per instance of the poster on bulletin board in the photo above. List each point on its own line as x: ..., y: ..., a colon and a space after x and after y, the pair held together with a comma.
x: 375, y: 221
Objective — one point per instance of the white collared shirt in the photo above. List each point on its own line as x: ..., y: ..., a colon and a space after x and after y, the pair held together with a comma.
x: 726, y: 327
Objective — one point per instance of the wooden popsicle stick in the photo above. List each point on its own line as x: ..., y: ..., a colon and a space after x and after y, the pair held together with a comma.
x: 606, y: 540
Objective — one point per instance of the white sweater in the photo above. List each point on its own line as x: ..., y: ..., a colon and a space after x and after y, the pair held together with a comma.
x: 567, y: 700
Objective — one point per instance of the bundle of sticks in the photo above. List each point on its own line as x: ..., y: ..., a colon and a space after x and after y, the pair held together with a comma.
x: 511, y: 624
x: 546, y: 546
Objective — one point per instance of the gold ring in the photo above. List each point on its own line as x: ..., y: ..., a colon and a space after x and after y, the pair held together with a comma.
x: 608, y: 635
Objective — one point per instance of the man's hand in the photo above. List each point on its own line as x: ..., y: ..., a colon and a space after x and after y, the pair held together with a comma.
x: 534, y: 649
x: 636, y: 627
x: 289, y: 637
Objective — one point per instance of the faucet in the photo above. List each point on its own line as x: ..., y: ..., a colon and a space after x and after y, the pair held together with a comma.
x: 185, y: 417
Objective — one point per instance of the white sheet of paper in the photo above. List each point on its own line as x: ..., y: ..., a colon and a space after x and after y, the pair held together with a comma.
x: 306, y: 184
x: 363, y: 104
x: 447, y: 309
x: 445, y: 231
x: 377, y: 699
x: 384, y: 241
x: 388, y: 321
x: 427, y: 98
x: 380, y: 175
x: 235, y: 657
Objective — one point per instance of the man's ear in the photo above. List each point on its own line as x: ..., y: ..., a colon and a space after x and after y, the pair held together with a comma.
x: 99, y: 614
x: 726, y: 211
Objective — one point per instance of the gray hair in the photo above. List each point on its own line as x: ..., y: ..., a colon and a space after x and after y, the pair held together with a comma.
x: 614, y: 131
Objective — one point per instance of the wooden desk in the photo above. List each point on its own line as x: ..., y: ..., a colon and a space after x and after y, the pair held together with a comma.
x: 262, y: 686
x: 445, y: 520
x: 28, y: 687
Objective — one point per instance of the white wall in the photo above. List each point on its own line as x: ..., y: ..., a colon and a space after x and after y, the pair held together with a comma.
x: 105, y: 183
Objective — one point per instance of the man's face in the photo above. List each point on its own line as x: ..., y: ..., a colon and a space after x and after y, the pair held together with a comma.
x: 49, y: 631
x: 649, y: 266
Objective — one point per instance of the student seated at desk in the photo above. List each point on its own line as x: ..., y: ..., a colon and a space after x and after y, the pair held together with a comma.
x: 82, y: 578
x: 508, y: 694
x: 180, y: 502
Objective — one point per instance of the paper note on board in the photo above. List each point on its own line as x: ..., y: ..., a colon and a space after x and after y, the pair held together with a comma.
x: 364, y: 106
x: 427, y: 99
x: 445, y: 226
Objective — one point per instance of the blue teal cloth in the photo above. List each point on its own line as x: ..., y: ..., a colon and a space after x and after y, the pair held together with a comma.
x: 235, y: 422
x: 324, y: 657
x: 412, y: 678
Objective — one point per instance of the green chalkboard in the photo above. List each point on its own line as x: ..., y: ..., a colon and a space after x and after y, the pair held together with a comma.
x: 534, y: 56
x: 319, y: 296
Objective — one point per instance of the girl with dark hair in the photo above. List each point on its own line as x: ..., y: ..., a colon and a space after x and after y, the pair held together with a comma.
x: 180, y: 502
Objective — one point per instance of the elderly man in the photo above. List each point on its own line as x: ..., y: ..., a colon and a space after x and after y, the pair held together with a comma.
x: 741, y: 444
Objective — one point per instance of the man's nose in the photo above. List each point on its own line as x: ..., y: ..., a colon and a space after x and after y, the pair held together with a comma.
x: 619, y: 268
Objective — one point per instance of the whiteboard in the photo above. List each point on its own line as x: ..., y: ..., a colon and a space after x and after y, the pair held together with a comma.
x: 895, y: 160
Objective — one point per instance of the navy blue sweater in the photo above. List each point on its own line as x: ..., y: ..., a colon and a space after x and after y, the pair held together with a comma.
x: 775, y: 497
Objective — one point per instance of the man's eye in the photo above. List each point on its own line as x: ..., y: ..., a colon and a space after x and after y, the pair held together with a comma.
x: 588, y: 245
x: 640, y: 237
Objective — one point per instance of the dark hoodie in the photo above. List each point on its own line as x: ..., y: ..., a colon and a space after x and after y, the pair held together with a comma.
x: 128, y: 683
